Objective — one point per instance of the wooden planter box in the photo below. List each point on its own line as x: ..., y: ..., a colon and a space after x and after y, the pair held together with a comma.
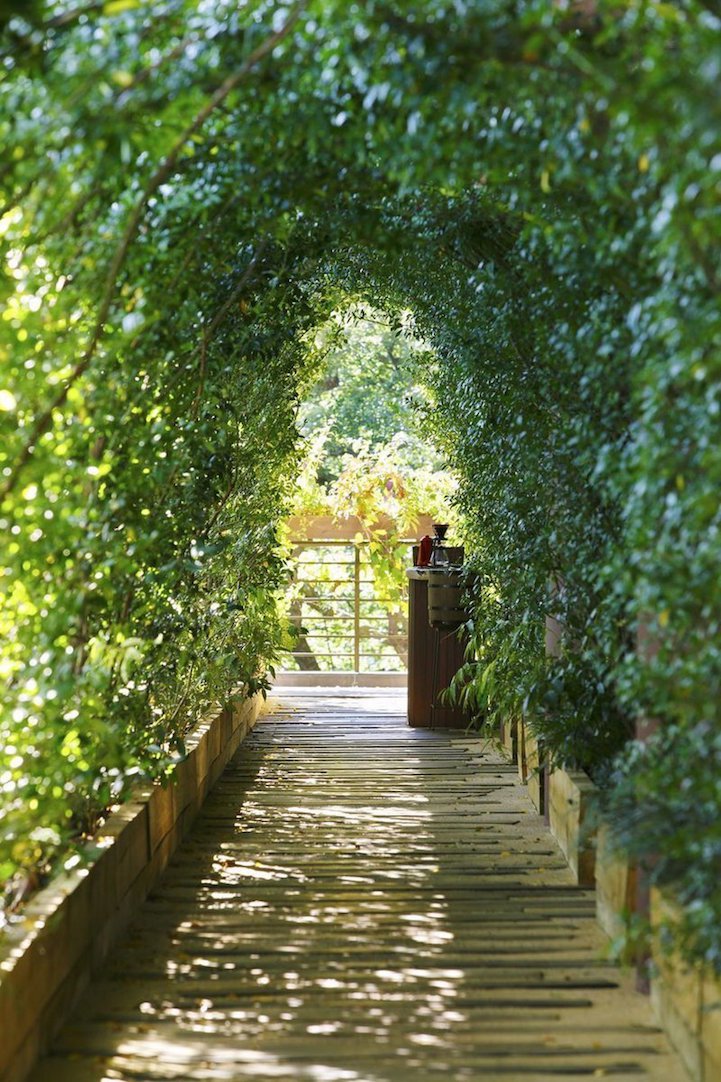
x: 536, y: 778
x: 687, y: 1001
x: 616, y: 889
x: 570, y: 800
x: 48, y: 958
x: 509, y: 738
x: 521, y: 750
x: 530, y: 765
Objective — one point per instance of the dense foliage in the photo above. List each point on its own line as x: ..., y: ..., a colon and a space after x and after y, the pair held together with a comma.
x: 368, y: 395
x: 188, y: 191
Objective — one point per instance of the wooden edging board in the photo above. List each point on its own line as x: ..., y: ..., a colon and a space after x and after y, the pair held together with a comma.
x: 570, y: 801
x: 48, y: 958
x: 686, y: 999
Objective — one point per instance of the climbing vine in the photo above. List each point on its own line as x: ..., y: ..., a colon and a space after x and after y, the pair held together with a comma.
x: 187, y: 192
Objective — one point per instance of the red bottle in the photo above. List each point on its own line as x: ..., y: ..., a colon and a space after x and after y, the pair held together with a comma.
x: 424, y: 551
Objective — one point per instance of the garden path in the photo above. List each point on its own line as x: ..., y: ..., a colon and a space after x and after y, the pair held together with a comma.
x: 363, y: 902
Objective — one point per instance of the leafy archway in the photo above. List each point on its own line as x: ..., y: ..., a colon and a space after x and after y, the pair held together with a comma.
x: 188, y: 192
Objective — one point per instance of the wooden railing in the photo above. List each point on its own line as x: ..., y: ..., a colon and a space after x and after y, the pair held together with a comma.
x: 344, y: 620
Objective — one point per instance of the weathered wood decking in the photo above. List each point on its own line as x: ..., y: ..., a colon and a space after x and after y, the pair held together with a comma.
x: 362, y: 902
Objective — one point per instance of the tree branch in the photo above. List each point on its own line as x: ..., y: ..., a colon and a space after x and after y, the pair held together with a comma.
x: 218, y: 318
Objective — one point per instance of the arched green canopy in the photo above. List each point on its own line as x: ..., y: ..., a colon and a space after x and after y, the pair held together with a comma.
x: 187, y: 191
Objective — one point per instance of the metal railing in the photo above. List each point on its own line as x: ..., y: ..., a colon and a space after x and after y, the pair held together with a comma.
x: 344, y: 619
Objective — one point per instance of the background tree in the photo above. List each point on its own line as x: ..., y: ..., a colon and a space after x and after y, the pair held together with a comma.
x: 366, y: 459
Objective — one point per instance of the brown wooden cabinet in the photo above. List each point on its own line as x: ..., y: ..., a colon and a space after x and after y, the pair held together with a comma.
x: 423, y: 640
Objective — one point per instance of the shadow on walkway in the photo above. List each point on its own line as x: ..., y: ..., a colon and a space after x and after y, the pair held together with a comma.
x: 363, y: 902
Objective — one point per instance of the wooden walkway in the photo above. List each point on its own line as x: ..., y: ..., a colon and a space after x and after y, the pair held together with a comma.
x: 361, y: 902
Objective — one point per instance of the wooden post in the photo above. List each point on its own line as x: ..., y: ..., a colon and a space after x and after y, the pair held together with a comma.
x: 421, y: 651
x: 356, y: 607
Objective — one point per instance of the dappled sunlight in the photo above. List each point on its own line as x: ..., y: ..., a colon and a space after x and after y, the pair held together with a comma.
x: 177, y: 1058
x: 301, y: 923
x: 380, y: 924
